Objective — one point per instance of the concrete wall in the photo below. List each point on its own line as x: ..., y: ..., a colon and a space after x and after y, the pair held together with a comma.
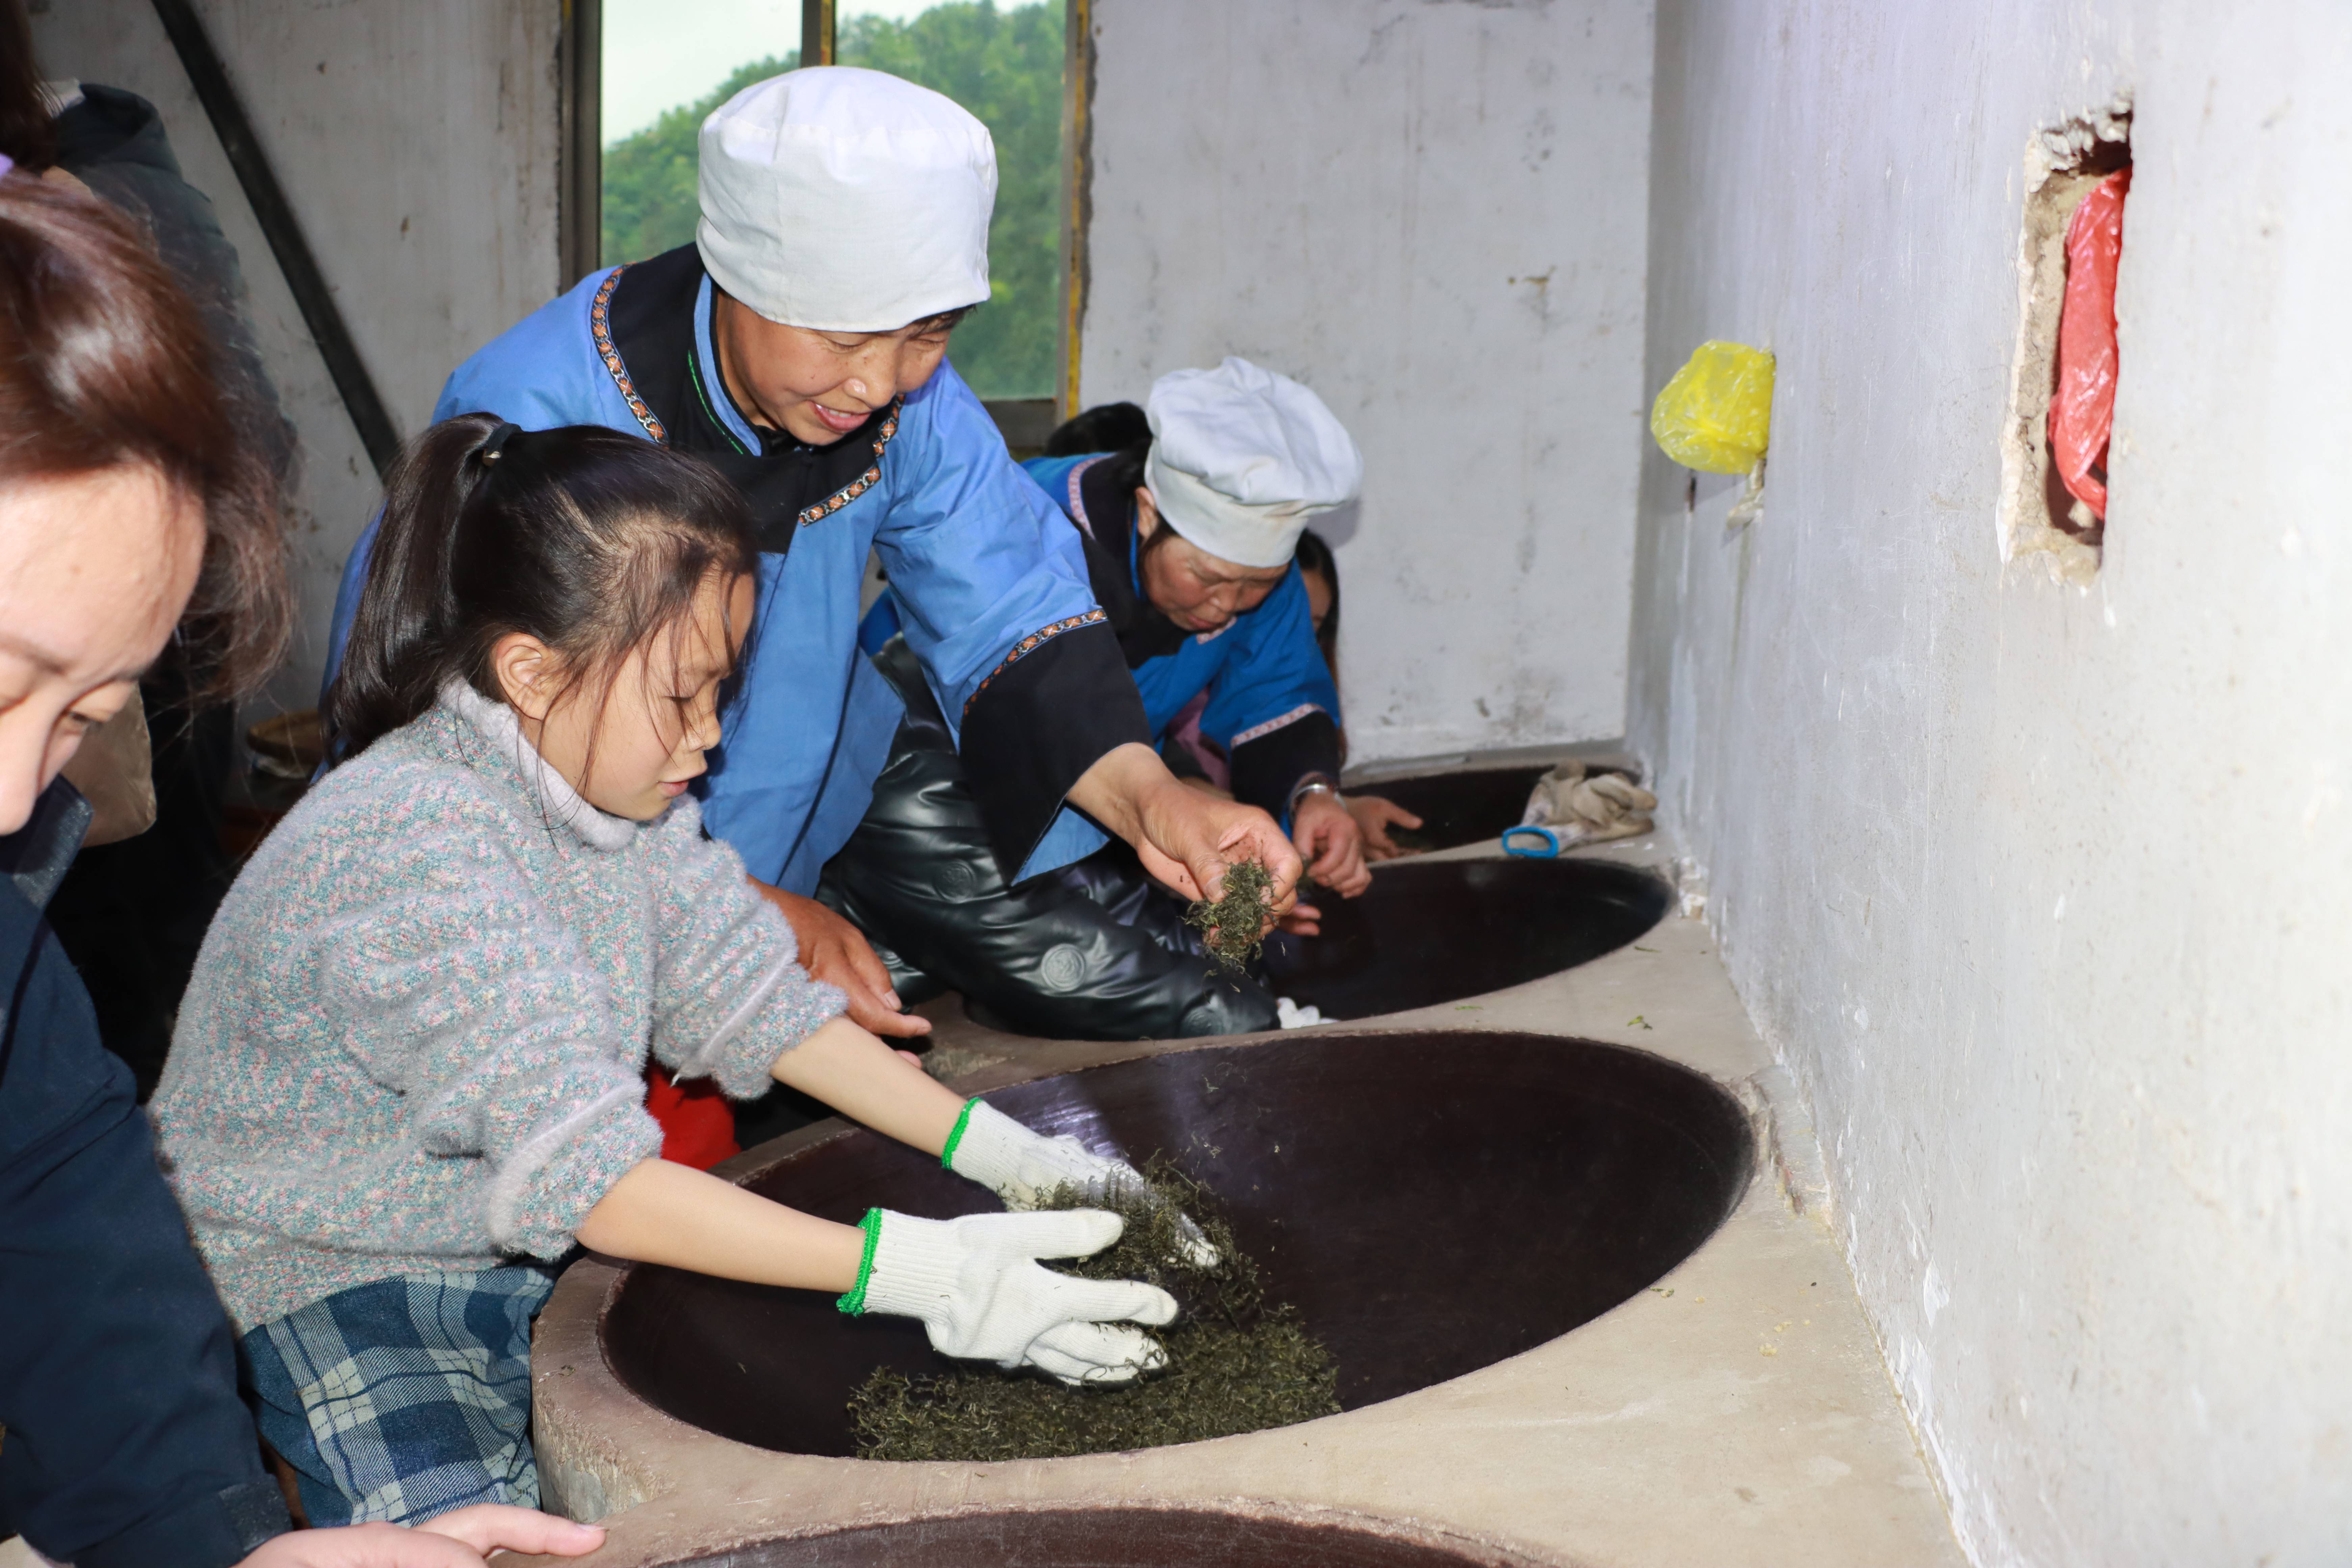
x: 417, y: 142
x: 1433, y: 214
x: 2042, y: 890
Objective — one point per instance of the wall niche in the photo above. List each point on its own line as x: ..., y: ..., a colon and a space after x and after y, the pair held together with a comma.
x: 2039, y: 515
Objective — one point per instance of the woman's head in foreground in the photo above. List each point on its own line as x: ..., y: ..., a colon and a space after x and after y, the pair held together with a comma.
x: 596, y: 584
x: 126, y: 496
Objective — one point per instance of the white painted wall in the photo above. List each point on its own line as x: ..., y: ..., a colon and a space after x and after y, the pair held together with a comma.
x: 2043, y: 893
x: 1433, y: 214
x: 416, y: 140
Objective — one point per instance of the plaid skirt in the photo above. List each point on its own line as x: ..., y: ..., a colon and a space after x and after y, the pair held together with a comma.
x: 403, y: 1398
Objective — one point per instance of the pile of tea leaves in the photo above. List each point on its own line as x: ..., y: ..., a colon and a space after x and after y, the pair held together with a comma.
x: 1234, y: 924
x: 1235, y: 1362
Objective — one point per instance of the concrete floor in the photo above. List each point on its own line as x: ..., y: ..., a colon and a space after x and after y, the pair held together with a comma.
x: 1738, y: 1413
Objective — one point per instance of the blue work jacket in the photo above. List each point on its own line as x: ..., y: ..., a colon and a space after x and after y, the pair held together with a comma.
x: 1272, y: 705
x: 987, y: 574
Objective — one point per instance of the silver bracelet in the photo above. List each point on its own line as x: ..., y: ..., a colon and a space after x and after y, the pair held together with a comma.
x: 1313, y: 783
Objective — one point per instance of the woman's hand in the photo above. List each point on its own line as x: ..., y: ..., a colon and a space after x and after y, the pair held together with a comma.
x: 1330, y: 843
x: 1302, y: 920
x: 834, y: 950
x: 1184, y: 838
x: 459, y: 1539
x: 1374, y: 817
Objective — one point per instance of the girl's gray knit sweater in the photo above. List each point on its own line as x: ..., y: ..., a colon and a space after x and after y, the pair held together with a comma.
x: 415, y: 1038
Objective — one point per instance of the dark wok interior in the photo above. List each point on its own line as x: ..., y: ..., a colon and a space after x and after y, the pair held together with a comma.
x: 1459, y: 808
x: 1097, y: 1538
x: 1428, y: 931
x: 1431, y: 1203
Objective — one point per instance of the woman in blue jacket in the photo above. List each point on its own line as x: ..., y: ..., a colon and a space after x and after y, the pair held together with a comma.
x: 1188, y: 539
x: 799, y: 345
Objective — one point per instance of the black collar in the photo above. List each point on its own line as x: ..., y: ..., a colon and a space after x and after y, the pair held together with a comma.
x: 643, y: 321
x: 1108, y: 532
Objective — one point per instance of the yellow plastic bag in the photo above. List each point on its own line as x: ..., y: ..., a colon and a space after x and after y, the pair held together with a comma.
x: 1716, y: 415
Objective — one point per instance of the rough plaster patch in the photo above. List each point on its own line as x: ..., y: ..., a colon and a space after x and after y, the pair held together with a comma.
x: 2055, y: 184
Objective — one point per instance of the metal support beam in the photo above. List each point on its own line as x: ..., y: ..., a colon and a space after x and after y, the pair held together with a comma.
x: 270, y: 209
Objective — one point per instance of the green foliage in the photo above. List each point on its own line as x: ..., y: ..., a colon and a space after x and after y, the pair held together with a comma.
x: 1006, y: 68
x: 1004, y: 65
x: 649, y: 201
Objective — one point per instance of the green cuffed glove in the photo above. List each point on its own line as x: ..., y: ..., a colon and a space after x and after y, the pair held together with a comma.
x: 976, y: 1286
x: 1025, y: 1168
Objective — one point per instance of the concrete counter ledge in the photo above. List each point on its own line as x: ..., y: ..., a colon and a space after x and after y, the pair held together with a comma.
x: 1735, y: 1411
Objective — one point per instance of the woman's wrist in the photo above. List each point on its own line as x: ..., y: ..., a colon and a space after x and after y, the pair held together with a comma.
x: 1114, y: 790
x: 1313, y: 786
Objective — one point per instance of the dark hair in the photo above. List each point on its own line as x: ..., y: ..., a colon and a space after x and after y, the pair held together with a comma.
x: 27, y: 133
x: 940, y: 321
x: 1124, y: 470
x: 1106, y: 427
x: 591, y: 541
x: 1314, y: 555
x: 103, y: 361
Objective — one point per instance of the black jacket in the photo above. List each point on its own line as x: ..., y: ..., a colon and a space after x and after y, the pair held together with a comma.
x: 126, y: 1445
x: 114, y: 142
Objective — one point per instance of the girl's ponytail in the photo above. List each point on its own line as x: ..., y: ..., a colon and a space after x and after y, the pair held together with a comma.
x: 589, y: 539
x: 390, y: 671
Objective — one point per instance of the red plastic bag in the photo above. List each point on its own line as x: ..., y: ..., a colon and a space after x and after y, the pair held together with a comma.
x: 2082, y: 409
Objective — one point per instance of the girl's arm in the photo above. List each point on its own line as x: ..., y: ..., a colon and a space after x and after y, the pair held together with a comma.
x: 865, y: 1081
x: 974, y: 1282
x: 671, y: 1213
x: 663, y: 1212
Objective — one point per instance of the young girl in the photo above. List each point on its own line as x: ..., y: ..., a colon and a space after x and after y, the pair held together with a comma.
x: 410, y: 1062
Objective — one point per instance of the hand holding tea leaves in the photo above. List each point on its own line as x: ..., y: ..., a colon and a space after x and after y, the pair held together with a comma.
x: 1187, y: 840
x: 1234, y: 924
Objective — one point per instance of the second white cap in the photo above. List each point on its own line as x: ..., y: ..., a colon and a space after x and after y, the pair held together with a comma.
x: 1241, y: 457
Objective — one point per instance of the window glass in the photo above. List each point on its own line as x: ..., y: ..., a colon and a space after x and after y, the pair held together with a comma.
x: 1005, y: 66
x: 667, y: 65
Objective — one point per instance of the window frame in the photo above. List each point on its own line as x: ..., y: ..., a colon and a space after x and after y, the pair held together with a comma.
x: 1025, y: 422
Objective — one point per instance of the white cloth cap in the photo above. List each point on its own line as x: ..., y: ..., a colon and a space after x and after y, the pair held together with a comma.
x: 846, y: 200
x: 1241, y: 457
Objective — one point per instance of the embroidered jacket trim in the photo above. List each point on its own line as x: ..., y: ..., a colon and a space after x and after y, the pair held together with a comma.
x: 1257, y: 732
x: 1078, y: 502
x: 1030, y: 644
x: 600, y: 326
x: 865, y: 482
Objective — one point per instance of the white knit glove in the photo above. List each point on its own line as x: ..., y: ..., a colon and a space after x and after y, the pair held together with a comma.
x: 975, y: 1284
x: 1025, y: 1168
